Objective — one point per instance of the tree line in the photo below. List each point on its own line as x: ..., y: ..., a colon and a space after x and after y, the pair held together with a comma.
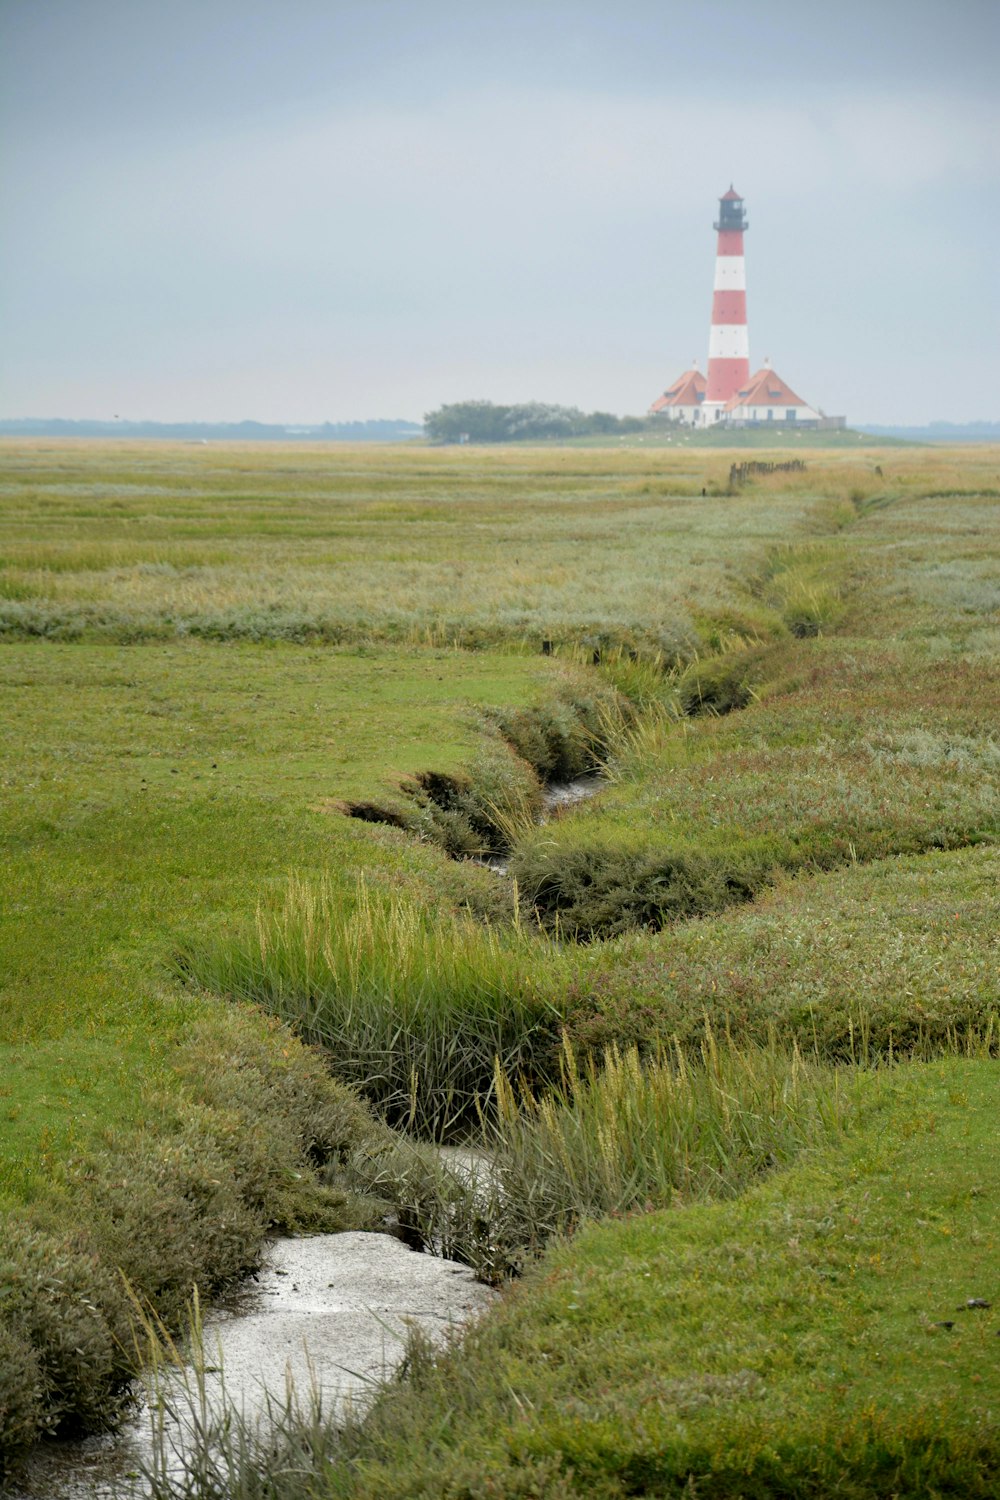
x: 486, y: 422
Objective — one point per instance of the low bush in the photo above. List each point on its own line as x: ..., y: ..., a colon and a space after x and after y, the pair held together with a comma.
x: 275, y: 1114
x: 230, y: 1150
x: 166, y: 1210
x: 22, y: 1385
x: 724, y: 683
x: 66, y: 1336
x: 481, y: 810
x: 855, y: 965
x: 599, y: 890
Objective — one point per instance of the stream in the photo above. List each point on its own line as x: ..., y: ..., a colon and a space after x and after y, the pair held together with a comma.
x: 556, y: 796
x: 329, y: 1312
x: 560, y: 794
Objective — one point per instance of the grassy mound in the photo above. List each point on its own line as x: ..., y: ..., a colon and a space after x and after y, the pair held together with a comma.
x: 896, y: 958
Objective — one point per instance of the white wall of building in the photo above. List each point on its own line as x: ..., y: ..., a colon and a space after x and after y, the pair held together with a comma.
x: 779, y: 414
x: 686, y: 414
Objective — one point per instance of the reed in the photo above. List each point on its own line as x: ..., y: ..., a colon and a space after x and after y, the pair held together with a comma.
x: 413, y: 1009
x: 635, y: 1134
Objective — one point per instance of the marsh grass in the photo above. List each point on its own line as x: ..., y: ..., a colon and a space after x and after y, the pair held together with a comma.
x: 633, y: 1134
x: 411, y: 1009
x: 803, y: 583
x: 478, y: 810
x: 871, y: 734
x: 345, y: 545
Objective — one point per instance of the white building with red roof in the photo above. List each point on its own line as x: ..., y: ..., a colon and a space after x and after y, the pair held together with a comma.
x: 766, y: 398
x: 681, y: 402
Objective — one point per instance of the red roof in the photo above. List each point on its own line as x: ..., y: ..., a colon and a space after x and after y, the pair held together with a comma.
x: 731, y: 197
x: 766, y: 388
x: 687, y: 390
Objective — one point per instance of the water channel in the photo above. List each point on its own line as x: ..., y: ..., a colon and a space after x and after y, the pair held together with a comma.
x: 329, y: 1313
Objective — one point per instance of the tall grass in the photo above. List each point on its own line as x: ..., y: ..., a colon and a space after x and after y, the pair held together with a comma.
x: 803, y: 583
x: 626, y: 1134
x: 637, y: 1134
x: 414, y: 1010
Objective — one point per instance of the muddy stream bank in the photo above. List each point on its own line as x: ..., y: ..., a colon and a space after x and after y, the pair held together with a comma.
x: 556, y: 797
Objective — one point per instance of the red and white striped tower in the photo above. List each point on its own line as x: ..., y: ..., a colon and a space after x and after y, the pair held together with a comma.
x: 728, y: 345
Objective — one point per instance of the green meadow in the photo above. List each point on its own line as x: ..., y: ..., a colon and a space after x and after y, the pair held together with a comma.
x: 729, y: 1027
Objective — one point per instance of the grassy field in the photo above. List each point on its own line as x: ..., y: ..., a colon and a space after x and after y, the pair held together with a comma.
x: 230, y: 543
x: 206, y: 654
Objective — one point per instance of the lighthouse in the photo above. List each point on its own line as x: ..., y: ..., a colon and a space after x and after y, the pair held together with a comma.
x: 728, y: 344
x: 728, y: 394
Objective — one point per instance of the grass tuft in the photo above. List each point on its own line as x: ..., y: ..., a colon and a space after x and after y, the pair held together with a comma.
x: 411, y: 1009
x: 636, y: 1134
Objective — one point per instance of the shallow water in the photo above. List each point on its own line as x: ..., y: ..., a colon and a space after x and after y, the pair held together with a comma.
x: 330, y: 1313
x: 560, y: 794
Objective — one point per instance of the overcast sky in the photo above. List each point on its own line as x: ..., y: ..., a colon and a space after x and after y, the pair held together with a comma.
x: 336, y: 209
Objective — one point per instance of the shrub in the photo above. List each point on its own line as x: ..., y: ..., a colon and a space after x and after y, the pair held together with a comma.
x: 600, y: 890
x: 167, y: 1211
x: 22, y: 1387
x: 481, y: 810
x: 720, y: 684
x: 562, y: 737
x: 855, y: 965
x: 67, y: 1334
x: 274, y: 1112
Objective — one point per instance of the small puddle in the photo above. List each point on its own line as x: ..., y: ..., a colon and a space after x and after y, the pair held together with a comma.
x: 330, y: 1312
